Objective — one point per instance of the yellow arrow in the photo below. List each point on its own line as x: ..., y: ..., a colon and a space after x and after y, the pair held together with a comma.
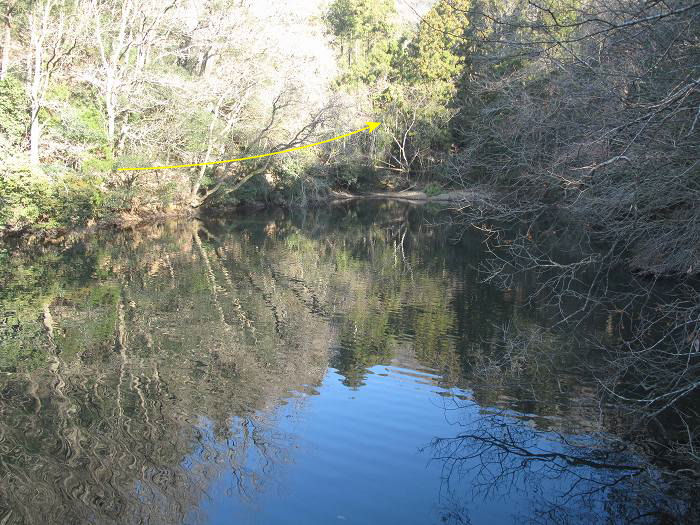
x: 371, y: 126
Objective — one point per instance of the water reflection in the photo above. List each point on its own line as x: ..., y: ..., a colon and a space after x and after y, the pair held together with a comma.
x: 186, y: 372
x: 564, y: 477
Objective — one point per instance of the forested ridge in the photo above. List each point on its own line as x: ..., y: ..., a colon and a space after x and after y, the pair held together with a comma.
x: 574, y: 126
x: 590, y: 105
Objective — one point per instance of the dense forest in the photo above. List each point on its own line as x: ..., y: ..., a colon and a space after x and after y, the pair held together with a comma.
x: 590, y: 106
x: 570, y: 127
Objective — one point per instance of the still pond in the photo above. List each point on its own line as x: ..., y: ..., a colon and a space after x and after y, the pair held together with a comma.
x: 346, y: 365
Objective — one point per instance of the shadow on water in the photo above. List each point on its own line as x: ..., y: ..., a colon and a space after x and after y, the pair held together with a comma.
x: 141, y: 370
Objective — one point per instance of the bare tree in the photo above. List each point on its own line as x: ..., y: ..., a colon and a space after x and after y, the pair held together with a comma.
x: 231, y: 178
x: 11, y: 9
x: 583, y: 120
x: 50, y: 45
x: 124, y: 30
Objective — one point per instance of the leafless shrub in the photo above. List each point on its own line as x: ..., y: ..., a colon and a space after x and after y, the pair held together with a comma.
x: 587, y: 114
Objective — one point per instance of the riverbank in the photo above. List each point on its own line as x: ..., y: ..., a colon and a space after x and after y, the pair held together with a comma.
x: 319, y: 315
x: 456, y: 196
x: 62, y: 234
x: 33, y: 235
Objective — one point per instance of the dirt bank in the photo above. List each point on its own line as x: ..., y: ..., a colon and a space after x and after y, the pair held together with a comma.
x: 414, y: 196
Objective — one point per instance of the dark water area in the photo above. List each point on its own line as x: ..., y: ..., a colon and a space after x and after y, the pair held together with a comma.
x: 345, y: 365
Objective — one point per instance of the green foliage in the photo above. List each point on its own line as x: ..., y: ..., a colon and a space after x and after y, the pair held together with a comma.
x: 26, y: 197
x: 405, y: 102
x: 167, y: 193
x: 375, y: 63
x: 118, y: 199
x: 92, y: 164
x: 14, y: 110
x: 353, y: 176
x: 75, y: 116
x: 196, y: 131
x: 77, y: 199
x: 256, y: 189
x: 439, y: 49
x: 410, y: 80
x: 42, y: 200
x: 433, y: 189
x: 31, y: 200
x: 364, y: 34
x: 352, y: 20
x: 134, y: 160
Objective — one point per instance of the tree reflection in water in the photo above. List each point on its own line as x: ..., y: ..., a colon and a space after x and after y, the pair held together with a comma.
x: 151, y: 379
x: 139, y: 366
x: 564, y: 477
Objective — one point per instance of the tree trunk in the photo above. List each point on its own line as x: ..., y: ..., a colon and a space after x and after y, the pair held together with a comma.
x: 194, y: 191
x: 35, y: 94
x: 34, y: 135
x: 203, y: 62
x: 111, y: 120
x: 110, y: 105
x: 7, y: 42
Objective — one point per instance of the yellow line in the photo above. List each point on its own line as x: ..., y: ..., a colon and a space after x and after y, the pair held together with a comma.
x: 371, y: 127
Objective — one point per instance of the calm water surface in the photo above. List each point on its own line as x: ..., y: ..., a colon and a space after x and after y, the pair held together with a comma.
x: 341, y: 366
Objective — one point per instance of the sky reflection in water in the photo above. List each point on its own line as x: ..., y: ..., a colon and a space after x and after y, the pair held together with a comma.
x: 283, y: 369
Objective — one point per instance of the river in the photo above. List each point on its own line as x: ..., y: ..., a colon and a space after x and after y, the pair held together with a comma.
x: 345, y: 365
